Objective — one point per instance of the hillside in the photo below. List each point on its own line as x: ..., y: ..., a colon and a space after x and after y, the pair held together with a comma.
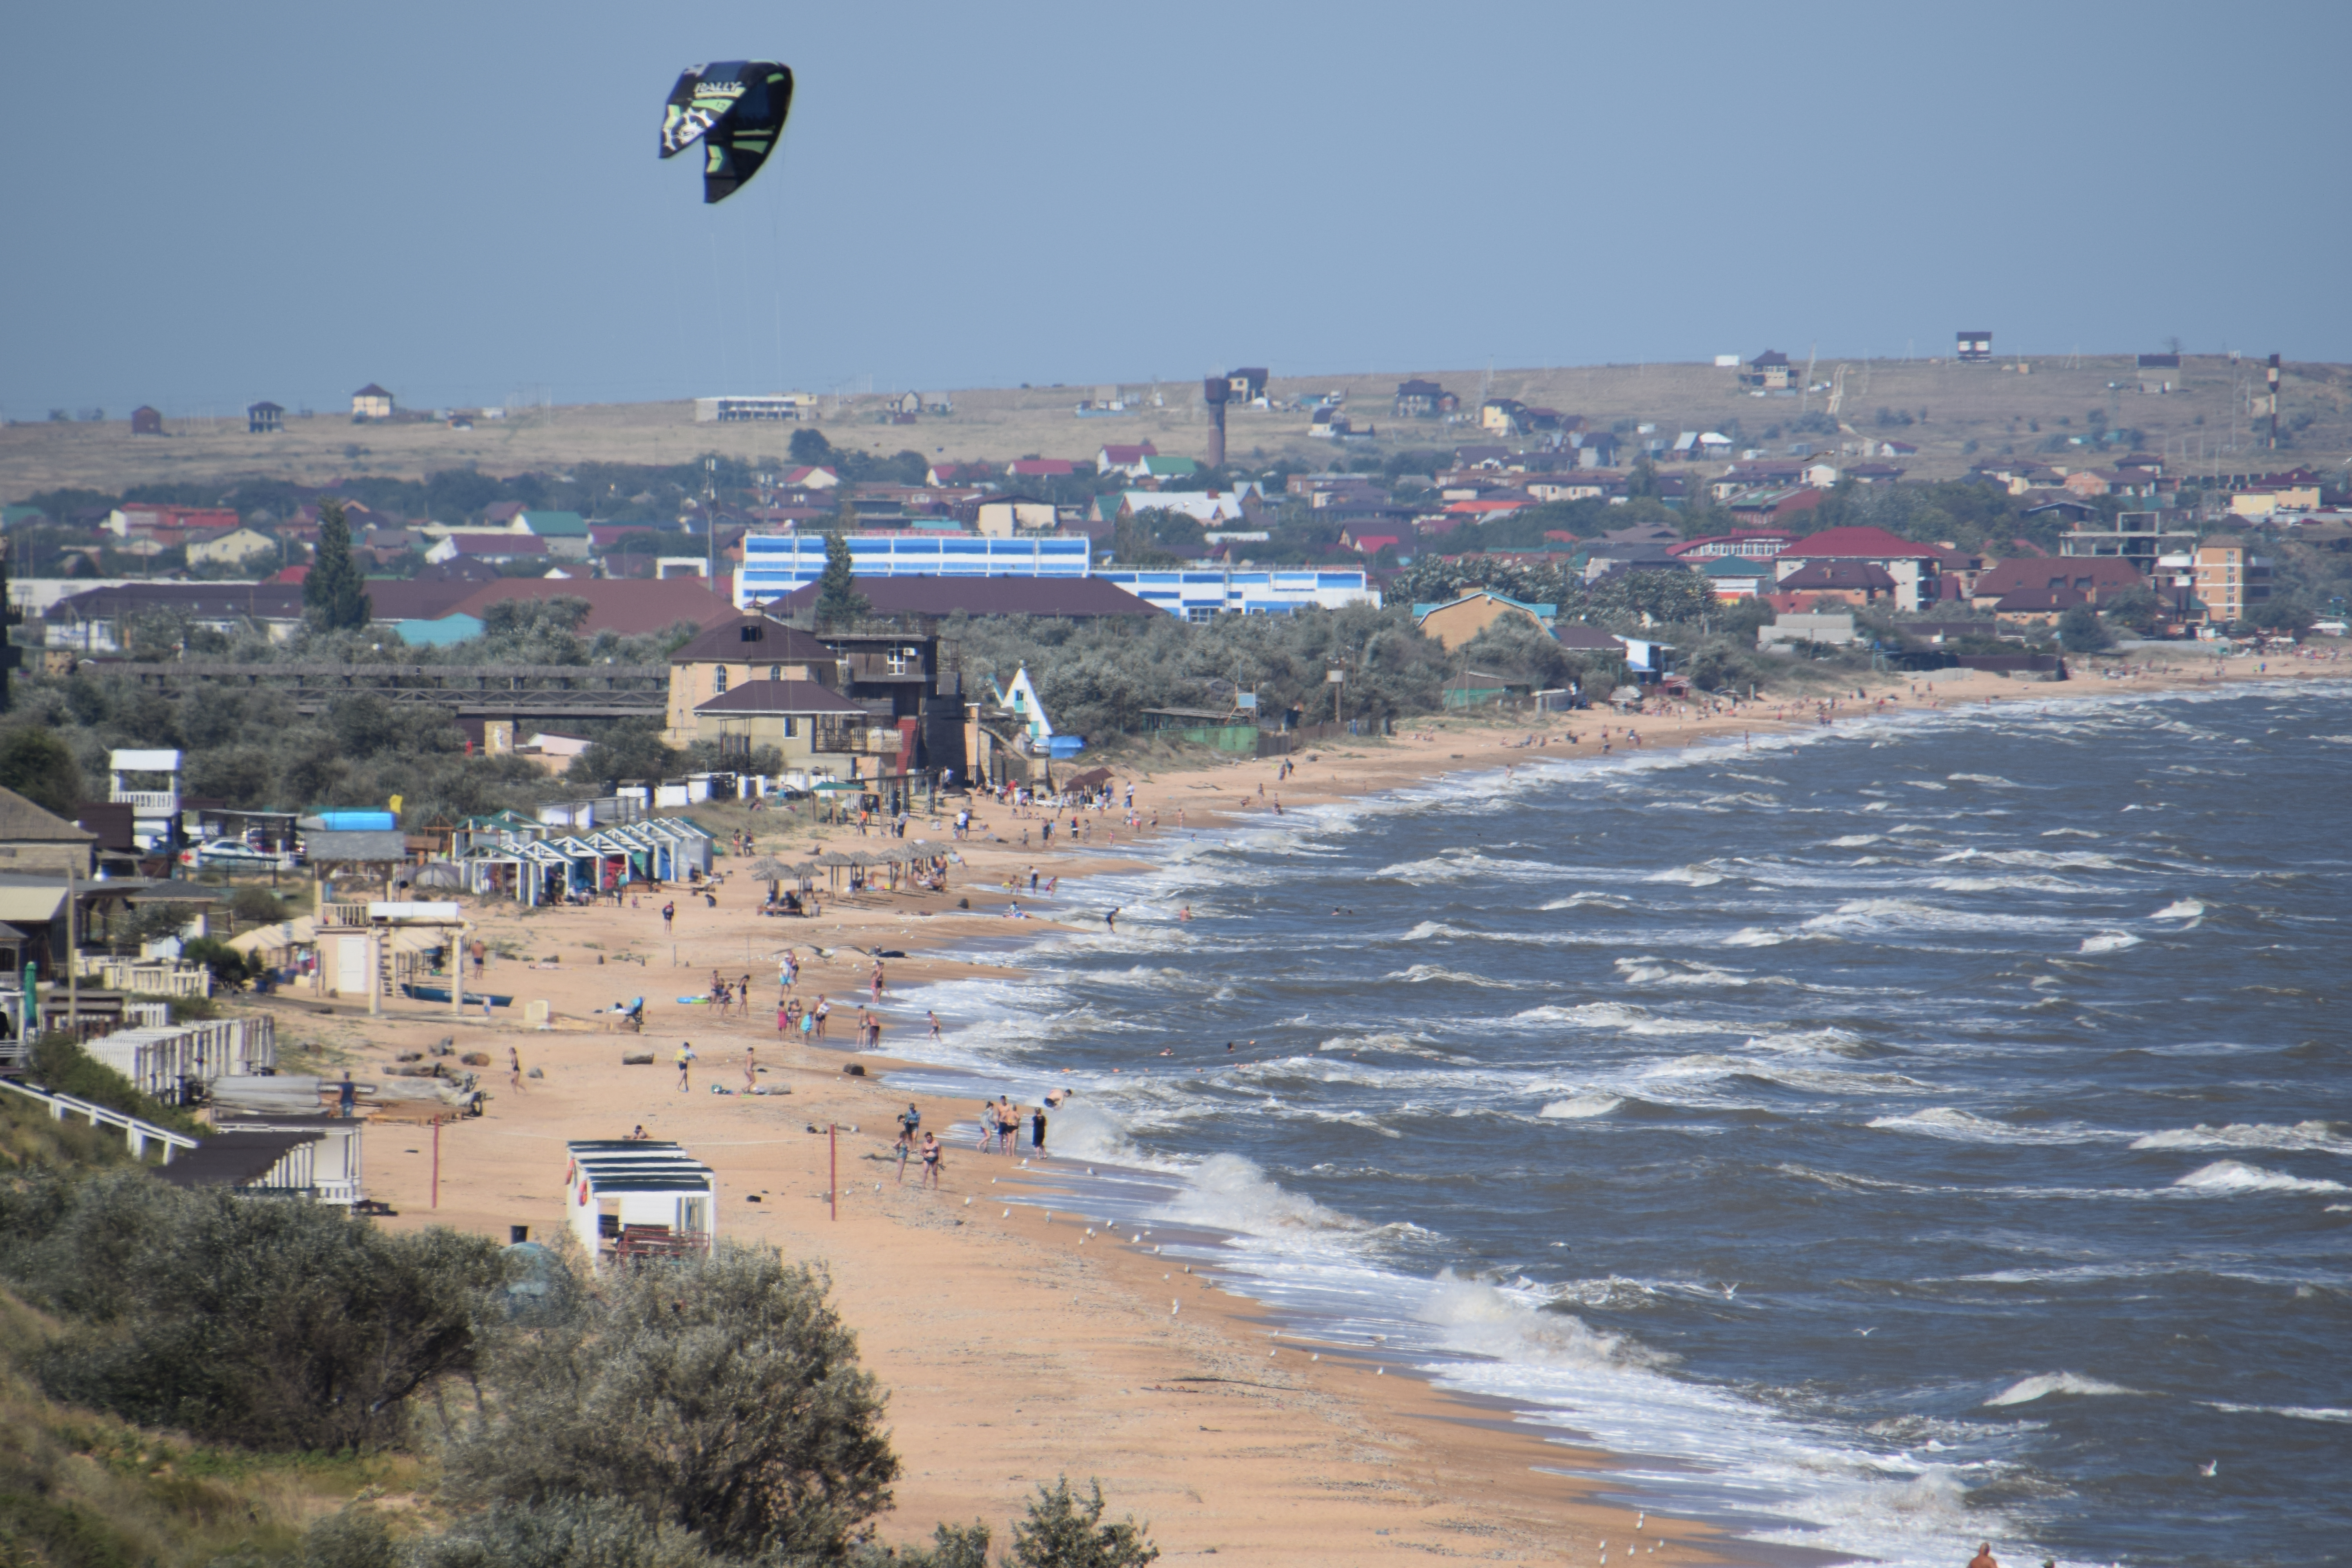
x: 2201, y: 426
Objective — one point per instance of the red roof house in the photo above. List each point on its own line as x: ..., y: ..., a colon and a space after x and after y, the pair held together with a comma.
x: 1857, y: 544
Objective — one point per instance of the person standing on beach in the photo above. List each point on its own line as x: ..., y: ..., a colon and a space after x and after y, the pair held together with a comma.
x: 669, y: 913
x: 514, y: 1068
x: 1008, y: 1125
x: 987, y: 1124
x: 347, y: 1094
x: 751, y: 1066
x: 784, y: 1014
x: 685, y: 1065
x: 931, y: 1161
x: 1037, y: 1130
x: 934, y: 1017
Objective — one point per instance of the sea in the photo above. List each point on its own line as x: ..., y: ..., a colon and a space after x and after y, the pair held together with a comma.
x: 1927, y: 1129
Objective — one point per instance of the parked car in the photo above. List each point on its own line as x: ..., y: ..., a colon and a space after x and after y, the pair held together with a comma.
x: 233, y: 854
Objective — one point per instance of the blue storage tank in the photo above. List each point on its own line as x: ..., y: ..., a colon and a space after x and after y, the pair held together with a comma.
x: 358, y: 821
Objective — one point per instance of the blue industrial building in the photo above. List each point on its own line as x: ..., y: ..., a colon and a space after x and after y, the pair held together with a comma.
x: 774, y: 565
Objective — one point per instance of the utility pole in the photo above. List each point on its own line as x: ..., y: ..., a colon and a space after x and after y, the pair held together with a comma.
x: 710, y: 523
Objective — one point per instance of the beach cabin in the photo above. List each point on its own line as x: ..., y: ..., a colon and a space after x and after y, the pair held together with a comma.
x: 305, y: 1159
x: 178, y: 1063
x: 322, y: 1163
x: 629, y: 1198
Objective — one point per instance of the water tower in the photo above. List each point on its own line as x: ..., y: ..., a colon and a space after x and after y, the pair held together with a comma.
x: 1215, y: 390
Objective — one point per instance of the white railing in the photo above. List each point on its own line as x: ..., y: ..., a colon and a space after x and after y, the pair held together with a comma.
x: 150, y: 801
x: 341, y: 1191
x: 135, y: 1131
x: 157, y: 977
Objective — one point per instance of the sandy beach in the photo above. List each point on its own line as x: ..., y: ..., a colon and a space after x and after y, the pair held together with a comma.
x: 1023, y: 1341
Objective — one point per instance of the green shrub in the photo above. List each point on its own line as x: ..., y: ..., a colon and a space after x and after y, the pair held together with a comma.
x: 573, y: 1533
x: 1062, y: 1532
x: 60, y: 1064
x: 268, y: 1324
x: 355, y: 1538
x: 257, y: 905
x: 721, y: 1397
x: 230, y: 968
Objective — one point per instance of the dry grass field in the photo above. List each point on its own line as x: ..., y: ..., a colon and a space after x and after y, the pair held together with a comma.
x: 2202, y: 427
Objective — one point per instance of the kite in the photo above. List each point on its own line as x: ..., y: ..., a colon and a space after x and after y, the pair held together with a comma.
x: 736, y: 109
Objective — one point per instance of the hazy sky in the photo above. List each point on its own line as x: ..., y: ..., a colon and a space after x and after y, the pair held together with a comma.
x: 208, y: 204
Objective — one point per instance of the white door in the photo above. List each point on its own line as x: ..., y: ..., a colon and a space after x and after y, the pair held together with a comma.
x: 351, y: 966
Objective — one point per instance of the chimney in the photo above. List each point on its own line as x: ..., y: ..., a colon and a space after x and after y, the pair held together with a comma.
x: 1214, y: 392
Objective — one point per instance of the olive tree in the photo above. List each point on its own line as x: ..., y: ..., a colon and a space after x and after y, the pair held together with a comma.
x: 720, y: 1396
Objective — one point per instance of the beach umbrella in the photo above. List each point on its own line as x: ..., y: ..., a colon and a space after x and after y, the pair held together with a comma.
x: 768, y: 868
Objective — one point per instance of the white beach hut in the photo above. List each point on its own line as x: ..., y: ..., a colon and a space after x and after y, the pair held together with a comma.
x: 628, y: 1198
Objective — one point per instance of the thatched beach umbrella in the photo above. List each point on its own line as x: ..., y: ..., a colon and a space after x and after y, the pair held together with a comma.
x: 769, y: 870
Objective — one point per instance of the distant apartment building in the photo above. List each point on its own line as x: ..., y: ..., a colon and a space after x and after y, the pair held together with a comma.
x: 2231, y: 579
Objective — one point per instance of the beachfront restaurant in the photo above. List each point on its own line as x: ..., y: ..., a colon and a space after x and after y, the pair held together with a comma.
x: 630, y: 1198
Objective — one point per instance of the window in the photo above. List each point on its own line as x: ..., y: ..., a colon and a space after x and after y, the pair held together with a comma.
x: 901, y: 660
x: 720, y: 676
x: 775, y: 672
x: 789, y: 730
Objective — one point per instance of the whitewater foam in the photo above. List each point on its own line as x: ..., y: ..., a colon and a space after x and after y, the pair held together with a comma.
x: 1966, y: 1127
x: 2320, y: 1137
x: 1581, y: 1107
x: 2228, y: 1178
x: 2025, y: 1391
x: 2109, y: 941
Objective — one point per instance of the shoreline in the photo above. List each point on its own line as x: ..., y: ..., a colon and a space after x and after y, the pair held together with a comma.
x: 1063, y: 1349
